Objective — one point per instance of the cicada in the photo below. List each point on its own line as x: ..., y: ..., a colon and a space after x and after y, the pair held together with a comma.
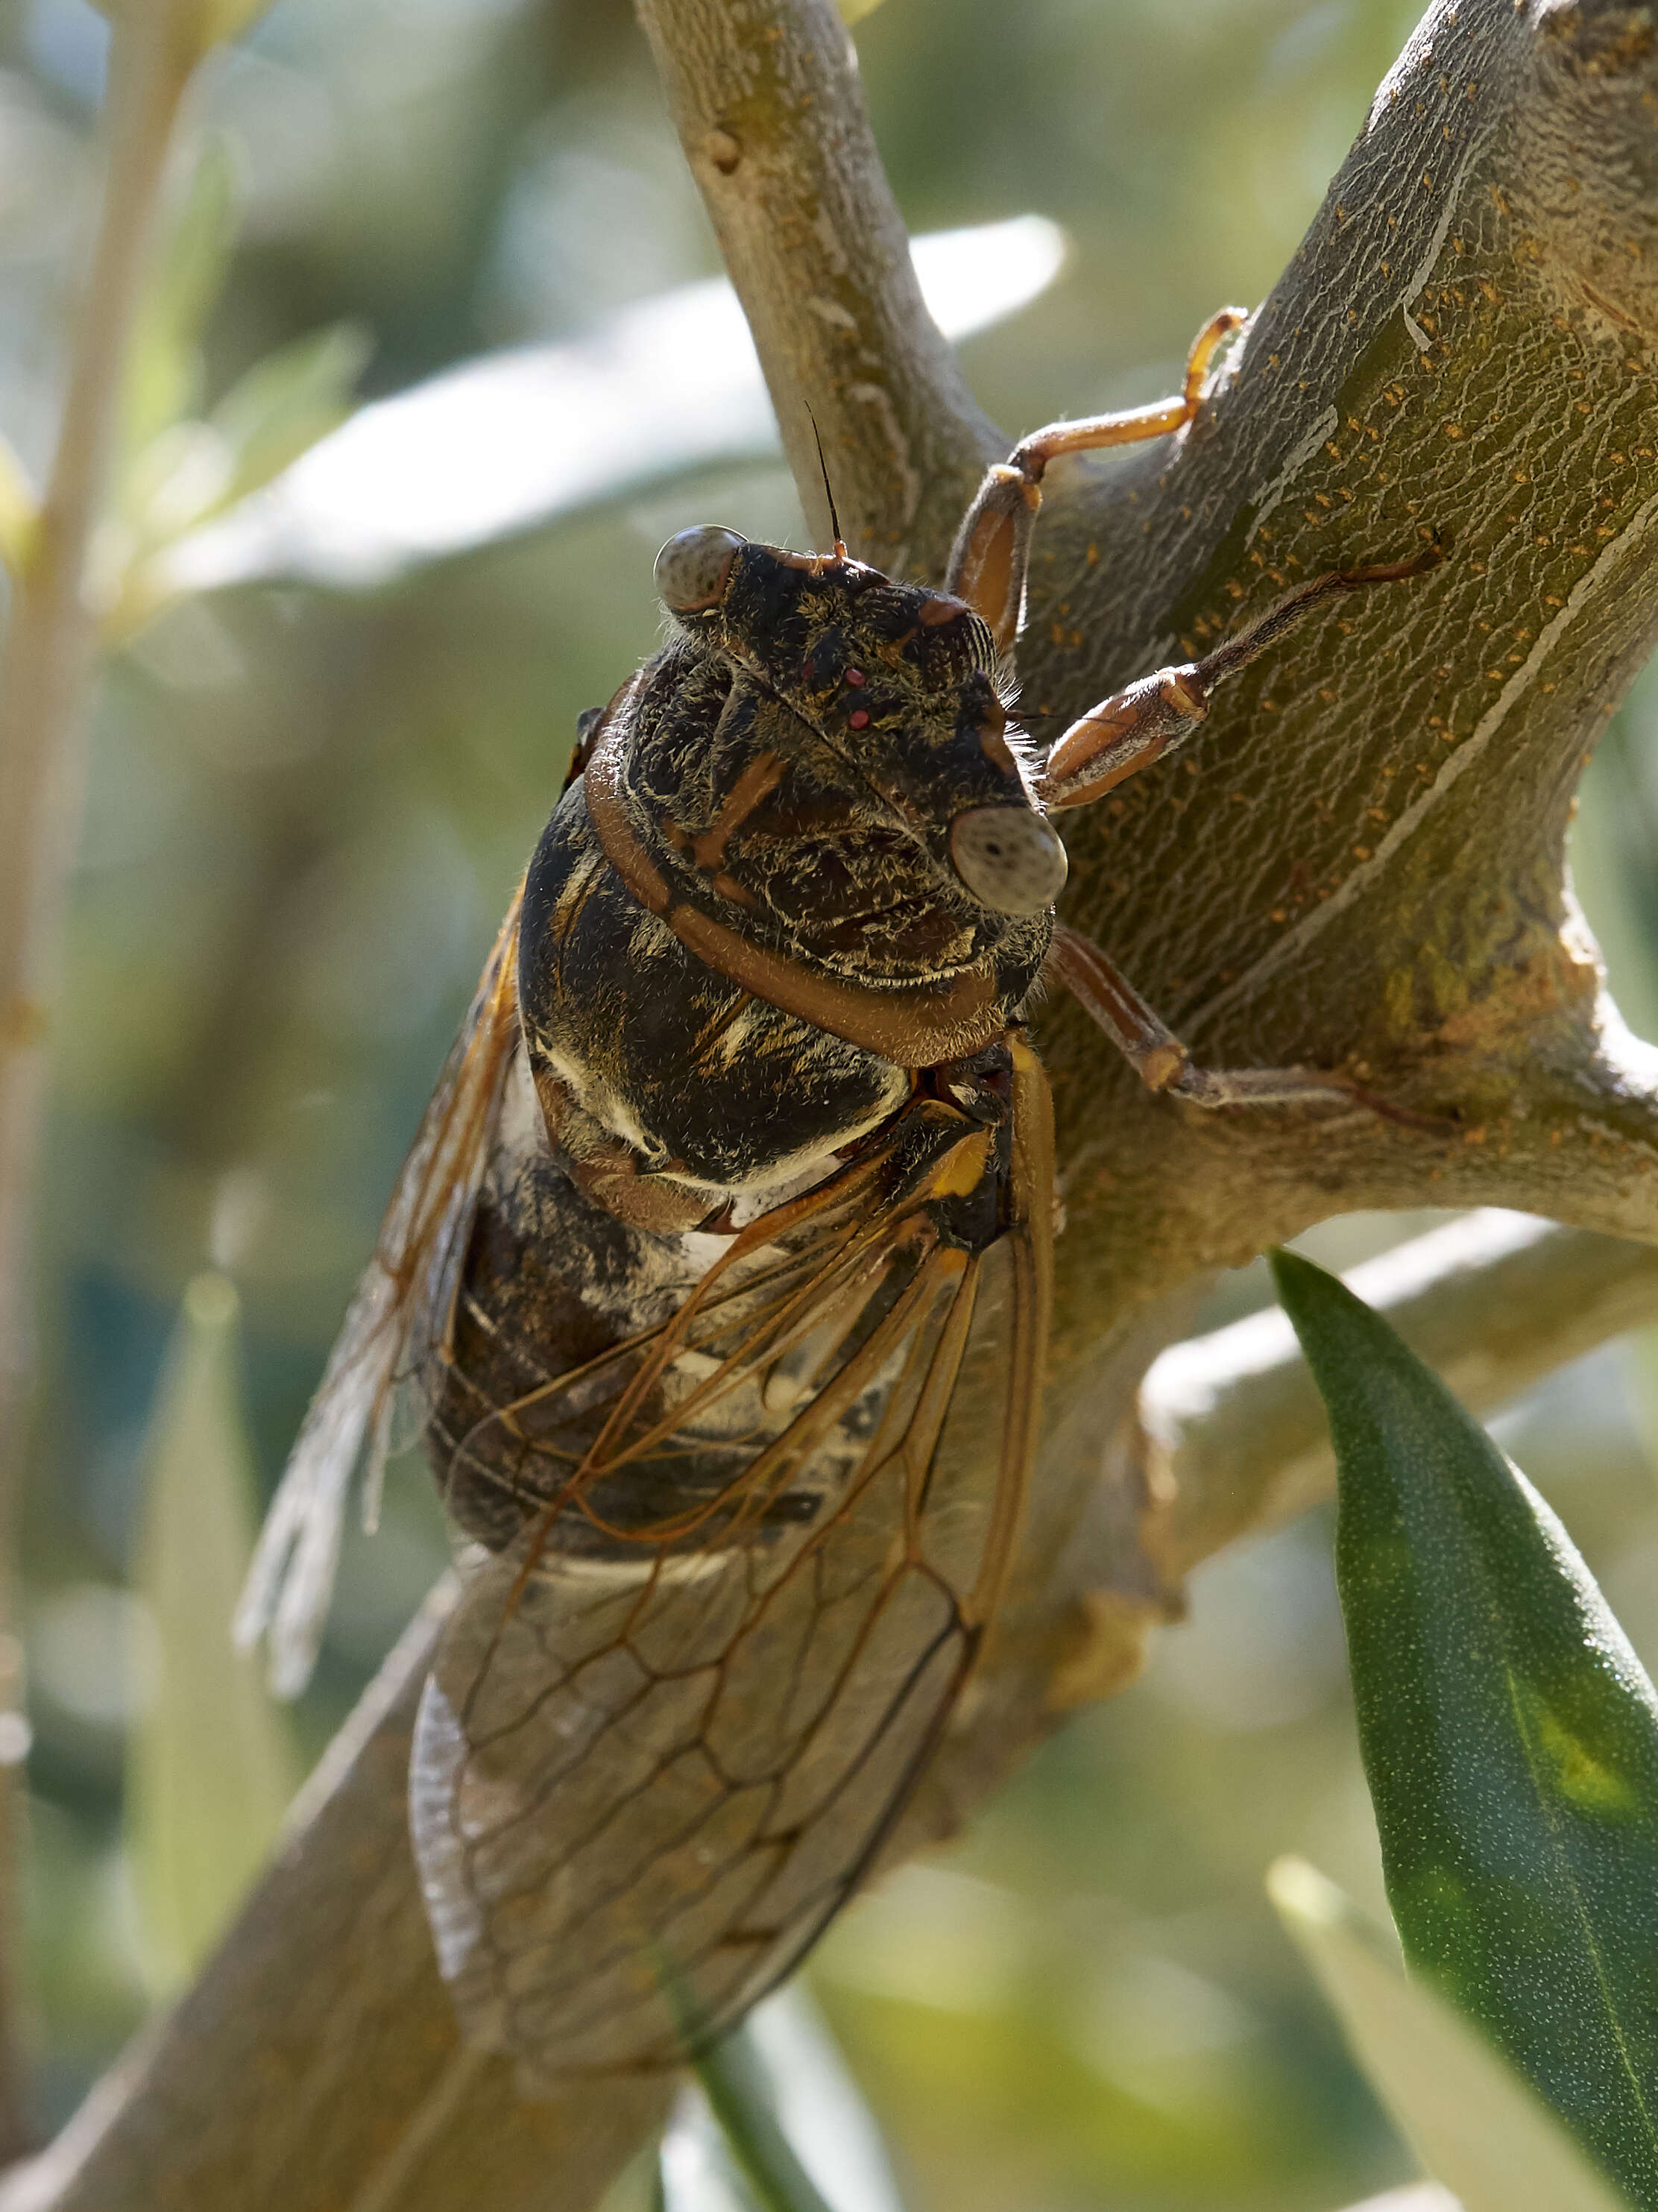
x: 728, y: 1226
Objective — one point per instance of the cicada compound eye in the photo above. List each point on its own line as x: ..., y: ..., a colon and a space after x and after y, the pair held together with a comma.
x: 1009, y: 857
x: 692, y: 568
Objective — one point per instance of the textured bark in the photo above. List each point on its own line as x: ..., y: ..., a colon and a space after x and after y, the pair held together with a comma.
x: 1360, y: 864
x: 317, y: 2065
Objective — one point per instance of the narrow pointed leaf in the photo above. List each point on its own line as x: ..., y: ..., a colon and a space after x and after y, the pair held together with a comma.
x: 821, y: 2106
x: 1471, y: 2120
x: 738, y: 2086
x: 211, y: 1766
x: 1509, y: 1735
x: 694, y: 2169
x: 776, y: 2124
x: 285, y: 403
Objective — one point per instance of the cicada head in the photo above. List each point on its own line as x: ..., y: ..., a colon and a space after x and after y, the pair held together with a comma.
x: 898, y: 838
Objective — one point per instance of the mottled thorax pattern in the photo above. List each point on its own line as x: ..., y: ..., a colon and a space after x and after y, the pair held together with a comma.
x: 756, y: 913
x: 799, y: 755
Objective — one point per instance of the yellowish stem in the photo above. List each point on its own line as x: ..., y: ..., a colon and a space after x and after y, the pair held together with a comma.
x: 43, y: 678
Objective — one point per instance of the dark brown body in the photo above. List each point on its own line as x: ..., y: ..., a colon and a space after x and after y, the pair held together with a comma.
x: 712, y: 1638
x: 752, y: 827
x: 666, y: 1093
x: 721, y: 1607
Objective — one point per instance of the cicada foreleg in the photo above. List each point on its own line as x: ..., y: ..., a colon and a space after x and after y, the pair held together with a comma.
x: 1113, y: 741
x: 992, y: 553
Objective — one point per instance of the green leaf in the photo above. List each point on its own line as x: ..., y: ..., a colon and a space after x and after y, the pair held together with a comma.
x: 777, y: 2124
x: 287, y: 402
x: 1471, y: 2120
x: 210, y: 1766
x: 694, y: 2169
x: 192, y: 472
x: 739, y: 2092
x: 1509, y: 1735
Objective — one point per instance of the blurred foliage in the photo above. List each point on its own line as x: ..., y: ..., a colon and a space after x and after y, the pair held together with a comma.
x: 210, y: 1768
x: 778, y: 2085
x: 763, y: 2169
x: 1476, y: 2123
x: 207, y: 21
x: 305, y: 814
x: 766, y: 2128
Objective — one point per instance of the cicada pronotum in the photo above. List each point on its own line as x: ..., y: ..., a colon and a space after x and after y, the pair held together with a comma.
x: 735, y: 1196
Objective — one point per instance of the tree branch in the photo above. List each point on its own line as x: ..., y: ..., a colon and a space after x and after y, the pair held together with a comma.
x: 1236, y: 1431
x: 1363, y: 868
x: 1362, y: 861
x: 767, y: 103
x: 316, y: 2066
x: 1360, y: 864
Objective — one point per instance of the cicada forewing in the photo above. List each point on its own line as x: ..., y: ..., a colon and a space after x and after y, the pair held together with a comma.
x: 657, y: 1754
x: 399, y: 1316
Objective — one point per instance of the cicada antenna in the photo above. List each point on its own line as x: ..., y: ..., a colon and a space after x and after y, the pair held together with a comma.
x: 835, y: 519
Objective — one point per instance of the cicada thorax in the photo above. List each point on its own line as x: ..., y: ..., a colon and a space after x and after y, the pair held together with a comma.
x: 798, y: 768
x: 802, y: 862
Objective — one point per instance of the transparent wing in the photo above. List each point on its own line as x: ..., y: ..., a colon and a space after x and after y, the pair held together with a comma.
x: 646, y: 1776
x: 400, y: 1306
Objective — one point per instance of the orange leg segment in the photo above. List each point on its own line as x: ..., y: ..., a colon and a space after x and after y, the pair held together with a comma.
x: 1129, y: 731
x: 1161, y: 1061
x: 992, y: 547
x: 1116, y: 739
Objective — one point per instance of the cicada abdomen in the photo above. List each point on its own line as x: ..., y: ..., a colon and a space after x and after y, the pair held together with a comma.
x: 679, y: 1705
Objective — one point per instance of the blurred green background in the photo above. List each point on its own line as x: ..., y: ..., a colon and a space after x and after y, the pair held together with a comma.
x: 309, y: 801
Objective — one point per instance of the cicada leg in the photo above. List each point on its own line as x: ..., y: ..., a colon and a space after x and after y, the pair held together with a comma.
x: 1115, y: 740
x: 1132, y: 728
x: 992, y: 552
x: 1161, y: 1061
